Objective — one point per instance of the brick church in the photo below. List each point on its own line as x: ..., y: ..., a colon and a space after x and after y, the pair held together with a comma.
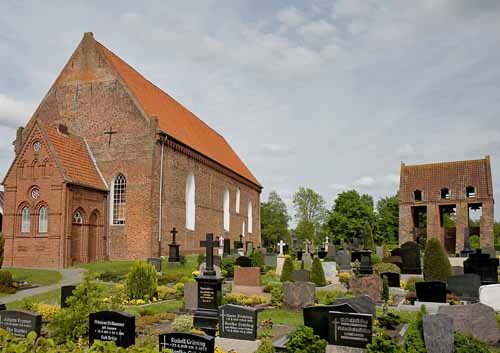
x: 109, y: 163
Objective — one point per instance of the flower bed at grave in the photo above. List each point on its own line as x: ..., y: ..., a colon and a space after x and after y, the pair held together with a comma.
x: 241, y: 299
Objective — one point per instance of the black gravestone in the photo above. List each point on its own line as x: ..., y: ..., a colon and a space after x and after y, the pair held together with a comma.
x: 216, y: 259
x: 316, y: 317
x: 2, y: 307
x: 465, y: 286
x: 365, y: 267
x: 20, y: 322
x: 66, y: 292
x: 227, y: 246
x: 286, y: 249
x: 156, y: 262
x: 187, y: 343
x: 118, y: 327
x: 350, y: 329
x: 484, y: 266
x: 362, y: 304
x: 299, y: 255
x: 434, y: 291
x: 238, y: 322
x: 243, y: 261
x: 301, y: 276
x: 393, y: 279
x: 410, y: 256
x: 322, y: 254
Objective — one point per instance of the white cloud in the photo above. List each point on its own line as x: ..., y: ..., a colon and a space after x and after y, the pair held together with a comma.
x: 364, y: 182
x: 276, y: 150
x: 291, y: 17
x: 316, y: 29
x: 338, y: 187
x: 405, y: 150
x: 13, y: 113
x: 392, y: 180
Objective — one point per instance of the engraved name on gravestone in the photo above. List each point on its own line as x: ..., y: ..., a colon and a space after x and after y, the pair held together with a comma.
x: 20, y: 322
x: 238, y: 322
x: 186, y: 343
x: 350, y: 329
x: 317, y: 317
x: 118, y: 327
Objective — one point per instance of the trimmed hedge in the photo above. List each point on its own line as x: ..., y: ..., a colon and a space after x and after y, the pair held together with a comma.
x: 384, y: 267
x: 436, y: 264
x: 317, y: 273
x: 286, y: 272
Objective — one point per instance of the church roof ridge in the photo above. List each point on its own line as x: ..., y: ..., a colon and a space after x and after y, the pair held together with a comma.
x: 446, y: 164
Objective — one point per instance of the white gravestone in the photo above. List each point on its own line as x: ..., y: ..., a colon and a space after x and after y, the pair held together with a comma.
x: 490, y: 295
x: 330, y: 269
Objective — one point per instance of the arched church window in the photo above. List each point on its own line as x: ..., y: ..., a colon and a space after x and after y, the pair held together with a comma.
x: 470, y: 192
x: 250, y: 217
x: 77, y: 218
x: 43, y: 220
x: 118, y: 199
x: 238, y: 200
x: 25, y: 220
x: 418, y: 195
x: 445, y: 194
x: 226, y: 210
x: 190, y: 202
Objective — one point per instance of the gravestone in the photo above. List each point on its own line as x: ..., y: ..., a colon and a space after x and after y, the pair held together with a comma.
x: 227, y: 247
x: 243, y: 261
x: 66, y: 292
x: 490, y: 295
x: 307, y: 259
x: 379, y: 251
x: 343, y: 258
x: 216, y: 259
x: 300, y: 253
x: 247, y: 280
x: 186, y: 343
x: 203, y: 268
x: 317, y: 317
x: 465, y: 286
x: 356, y: 256
x: 156, y: 262
x: 362, y: 304
x: 396, y: 260
x: 191, y: 296
x: 20, y: 322
x: 301, y: 275
x: 238, y: 322
x: 330, y: 270
x: 249, y: 248
x: 365, y: 267
x: 438, y: 333
x: 118, y: 327
x: 271, y: 260
x: 410, y: 255
x: 298, y: 295
x: 478, y: 319
x: 2, y: 307
x: 432, y: 292
x: 331, y: 251
x: 467, y: 250
x: 322, y: 254
x: 350, y: 329
x: 393, y: 279
x: 367, y: 285
x: 458, y: 270
x: 484, y: 266
x: 173, y: 248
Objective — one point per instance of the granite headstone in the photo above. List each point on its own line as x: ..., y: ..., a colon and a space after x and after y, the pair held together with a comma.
x: 317, y: 317
x: 118, y: 327
x: 238, y: 322
x: 186, y: 343
x: 433, y: 291
x: 465, y: 286
x: 20, y: 322
x: 438, y: 333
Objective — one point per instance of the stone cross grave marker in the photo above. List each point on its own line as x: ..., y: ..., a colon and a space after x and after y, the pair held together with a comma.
x: 186, y: 343
x: 173, y: 248
x: 238, y: 322
x: 118, y: 327
x: 281, y: 245
x: 350, y: 329
x: 20, y: 322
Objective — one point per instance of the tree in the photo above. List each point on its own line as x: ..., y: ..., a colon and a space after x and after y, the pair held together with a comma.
x: 274, y: 220
x: 436, y: 263
x: 351, y: 216
x: 387, y: 220
x: 317, y: 273
x: 310, y: 211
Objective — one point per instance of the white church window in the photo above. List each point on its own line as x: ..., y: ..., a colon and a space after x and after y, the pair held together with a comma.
x: 43, y: 220
x: 190, y: 202
x: 226, y: 210
x: 238, y: 200
x: 250, y: 217
x: 118, y: 199
x: 25, y: 220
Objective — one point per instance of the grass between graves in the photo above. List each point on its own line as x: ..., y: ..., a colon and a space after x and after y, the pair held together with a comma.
x: 170, y: 306
x: 52, y: 297
x: 282, y: 317
x: 104, y: 266
x: 40, y: 277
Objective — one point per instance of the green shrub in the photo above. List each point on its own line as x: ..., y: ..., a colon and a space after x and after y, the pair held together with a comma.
x: 410, y: 284
x: 475, y: 242
x: 390, y: 321
x: 356, y: 267
x: 183, y: 323
x: 436, y: 264
x: 375, y: 259
x: 384, y: 344
x: 383, y: 267
x: 6, y: 278
x: 112, y: 276
x: 266, y: 346
x: 286, y: 272
x: 2, y: 247
x: 468, y: 344
x: 258, y: 259
x: 227, y: 265
x: 317, y: 273
x: 327, y: 297
x: 414, y: 340
x: 303, y: 340
x: 142, y: 281
x: 277, y: 295
x: 201, y: 259
x: 385, y: 289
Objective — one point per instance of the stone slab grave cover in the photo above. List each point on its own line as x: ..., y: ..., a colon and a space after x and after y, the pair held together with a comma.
x: 301, y: 276
x: 156, y: 262
x: 343, y: 258
x: 66, y: 292
x: 271, y: 260
x: 490, y: 295
x: 362, y: 304
x: 350, y: 329
x: 317, y: 317
x: 298, y: 295
x: 238, y: 322
x: 483, y: 265
x: 191, y: 296
x: 330, y: 270
x: 368, y: 285
x: 243, y: 261
x: 432, y: 292
x: 438, y: 333
x: 20, y: 322
x: 410, y: 256
x: 186, y: 343
x: 393, y: 279
x: 477, y: 319
x: 118, y: 327
x: 465, y: 286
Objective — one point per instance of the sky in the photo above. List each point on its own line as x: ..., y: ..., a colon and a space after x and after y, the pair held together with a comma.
x: 331, y: 95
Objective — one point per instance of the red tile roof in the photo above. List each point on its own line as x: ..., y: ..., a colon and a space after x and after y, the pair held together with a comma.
x: 74, y: 155
x: 177, y: 121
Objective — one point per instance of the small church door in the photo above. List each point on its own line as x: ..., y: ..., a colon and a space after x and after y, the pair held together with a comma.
x: 77, y: 228
x: 92, y: 239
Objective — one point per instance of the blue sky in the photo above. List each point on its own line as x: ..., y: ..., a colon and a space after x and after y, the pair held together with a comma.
x: 327, y: 94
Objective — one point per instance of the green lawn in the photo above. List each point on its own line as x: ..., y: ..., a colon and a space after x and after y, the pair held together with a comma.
x: 40, y: 277
x: 156, y: 308
x: 100, y: 267
x: 282, y: 317
x: 52, y: 297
